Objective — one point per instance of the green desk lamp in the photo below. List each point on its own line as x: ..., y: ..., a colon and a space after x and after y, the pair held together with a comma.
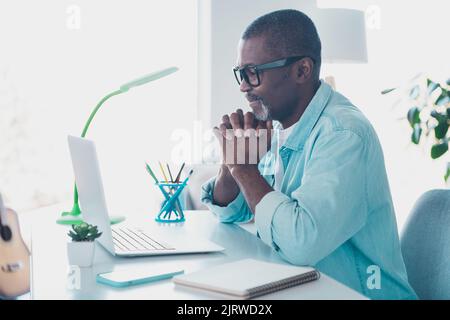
x: 74, y: 216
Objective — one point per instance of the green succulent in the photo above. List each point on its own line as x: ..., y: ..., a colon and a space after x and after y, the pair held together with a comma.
x: 84, y: 232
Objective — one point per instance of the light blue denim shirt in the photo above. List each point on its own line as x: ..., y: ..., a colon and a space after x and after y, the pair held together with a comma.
x: 334, y: 210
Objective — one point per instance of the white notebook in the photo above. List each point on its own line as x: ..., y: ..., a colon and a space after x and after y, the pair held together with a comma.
x: 248, y: 278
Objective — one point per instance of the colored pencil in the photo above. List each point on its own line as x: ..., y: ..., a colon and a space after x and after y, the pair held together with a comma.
x: 177, y: 179
x: 170, y: 173
x: 150, y: 171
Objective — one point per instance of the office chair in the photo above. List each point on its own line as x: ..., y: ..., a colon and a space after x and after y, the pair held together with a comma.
x: 425, y: 243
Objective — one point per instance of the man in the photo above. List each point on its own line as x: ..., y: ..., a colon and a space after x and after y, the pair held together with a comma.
x: 320, y: 195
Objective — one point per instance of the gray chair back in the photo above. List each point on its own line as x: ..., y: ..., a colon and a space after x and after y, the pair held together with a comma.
x: 425, y: 243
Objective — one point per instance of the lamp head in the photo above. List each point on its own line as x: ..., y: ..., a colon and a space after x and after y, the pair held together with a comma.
x: 147, y: 78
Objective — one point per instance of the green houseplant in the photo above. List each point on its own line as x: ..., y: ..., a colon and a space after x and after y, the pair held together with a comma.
x: 429, y: 115
x: 81, y: 249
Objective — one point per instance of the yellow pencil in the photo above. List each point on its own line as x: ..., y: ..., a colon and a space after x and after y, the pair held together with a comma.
x: 162, y: 170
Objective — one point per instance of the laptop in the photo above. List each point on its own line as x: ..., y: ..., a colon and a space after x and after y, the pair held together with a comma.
x: 121, y: 240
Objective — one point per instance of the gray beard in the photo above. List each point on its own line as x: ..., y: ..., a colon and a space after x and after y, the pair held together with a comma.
x: 263, y: 114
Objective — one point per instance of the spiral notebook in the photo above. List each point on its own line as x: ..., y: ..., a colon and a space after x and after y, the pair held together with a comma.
x: 248, y: 278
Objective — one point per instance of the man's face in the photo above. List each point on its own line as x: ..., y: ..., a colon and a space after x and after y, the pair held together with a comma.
x: 276, y: 96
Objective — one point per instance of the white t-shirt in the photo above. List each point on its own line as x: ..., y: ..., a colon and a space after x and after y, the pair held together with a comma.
x: 279, y: 169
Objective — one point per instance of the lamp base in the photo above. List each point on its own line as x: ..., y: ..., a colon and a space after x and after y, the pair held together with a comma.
x: 69, y: 220
x: 74, y: 217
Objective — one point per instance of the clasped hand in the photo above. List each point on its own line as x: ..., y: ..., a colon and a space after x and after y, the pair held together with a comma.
x: 244, y: 140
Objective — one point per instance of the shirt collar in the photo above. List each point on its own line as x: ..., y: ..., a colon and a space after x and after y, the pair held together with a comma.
x: 309, y: 118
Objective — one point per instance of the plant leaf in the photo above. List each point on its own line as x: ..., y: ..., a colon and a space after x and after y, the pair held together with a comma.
x: 441, y: 129
x: 413, y: 116
x: 84, y: 232
x: 447, y: 175
x: 417, y: 131
x: 386, y: 91
x: 438, y: 116
x: 438, y: 150
x: 414, y: 93
x: 432, y: 86
x: 443, y: 98
x: 72, y: 235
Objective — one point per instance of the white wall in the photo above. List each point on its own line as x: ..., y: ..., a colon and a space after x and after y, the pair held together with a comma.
x: 53, y: 73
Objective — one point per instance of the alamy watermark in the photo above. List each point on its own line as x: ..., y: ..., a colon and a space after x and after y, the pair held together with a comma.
x: 74, y: 277
x: 374, y: 278
x: 228, y: 146
x: 73, y: 19
x: 373, y: 17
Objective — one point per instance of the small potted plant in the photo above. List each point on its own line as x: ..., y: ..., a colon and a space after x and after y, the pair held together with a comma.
x: 81, y: 249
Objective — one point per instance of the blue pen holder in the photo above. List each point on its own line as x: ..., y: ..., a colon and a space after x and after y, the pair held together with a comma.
x: 171, y: 209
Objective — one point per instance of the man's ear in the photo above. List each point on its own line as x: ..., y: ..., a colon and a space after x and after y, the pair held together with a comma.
x: 304, y: 70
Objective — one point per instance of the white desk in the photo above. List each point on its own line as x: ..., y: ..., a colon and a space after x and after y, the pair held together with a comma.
x: 51, y: 280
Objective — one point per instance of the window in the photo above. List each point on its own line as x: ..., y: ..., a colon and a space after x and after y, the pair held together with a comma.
x: 58, y: 60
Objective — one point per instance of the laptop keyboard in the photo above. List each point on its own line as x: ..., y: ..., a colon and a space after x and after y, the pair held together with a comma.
x: 126, y: 239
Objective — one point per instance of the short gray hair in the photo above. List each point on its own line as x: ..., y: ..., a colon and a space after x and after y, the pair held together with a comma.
x: 288, y: 33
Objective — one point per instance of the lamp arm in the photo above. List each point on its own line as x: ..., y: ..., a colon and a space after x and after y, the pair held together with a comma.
x: 83, y: 134
x: 93, y: 113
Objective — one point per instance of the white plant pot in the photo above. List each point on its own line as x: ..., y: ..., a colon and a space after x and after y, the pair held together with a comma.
x: 81, y: 253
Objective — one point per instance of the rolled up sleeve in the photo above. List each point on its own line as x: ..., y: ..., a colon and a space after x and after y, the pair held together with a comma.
x: 328, y: 208
x: 236, y: 211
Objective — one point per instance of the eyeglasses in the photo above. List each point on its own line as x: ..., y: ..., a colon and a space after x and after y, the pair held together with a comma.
x: 250, y: 73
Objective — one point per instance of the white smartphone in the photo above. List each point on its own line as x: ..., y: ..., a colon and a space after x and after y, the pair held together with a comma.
x: 126, y: 278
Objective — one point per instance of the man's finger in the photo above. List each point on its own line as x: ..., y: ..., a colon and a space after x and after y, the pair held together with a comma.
x: 241, y: 116
x: 259, y: 124
x: 218, y: 133
x: 226, y: 127
x: 223, y: 129
x: 240, y: 133
x: 226, y: 120
x: 227, y: 131
x: 249, y: 120
x: 236, y: 124
x: 261, y: 128
x: 222, y: 142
